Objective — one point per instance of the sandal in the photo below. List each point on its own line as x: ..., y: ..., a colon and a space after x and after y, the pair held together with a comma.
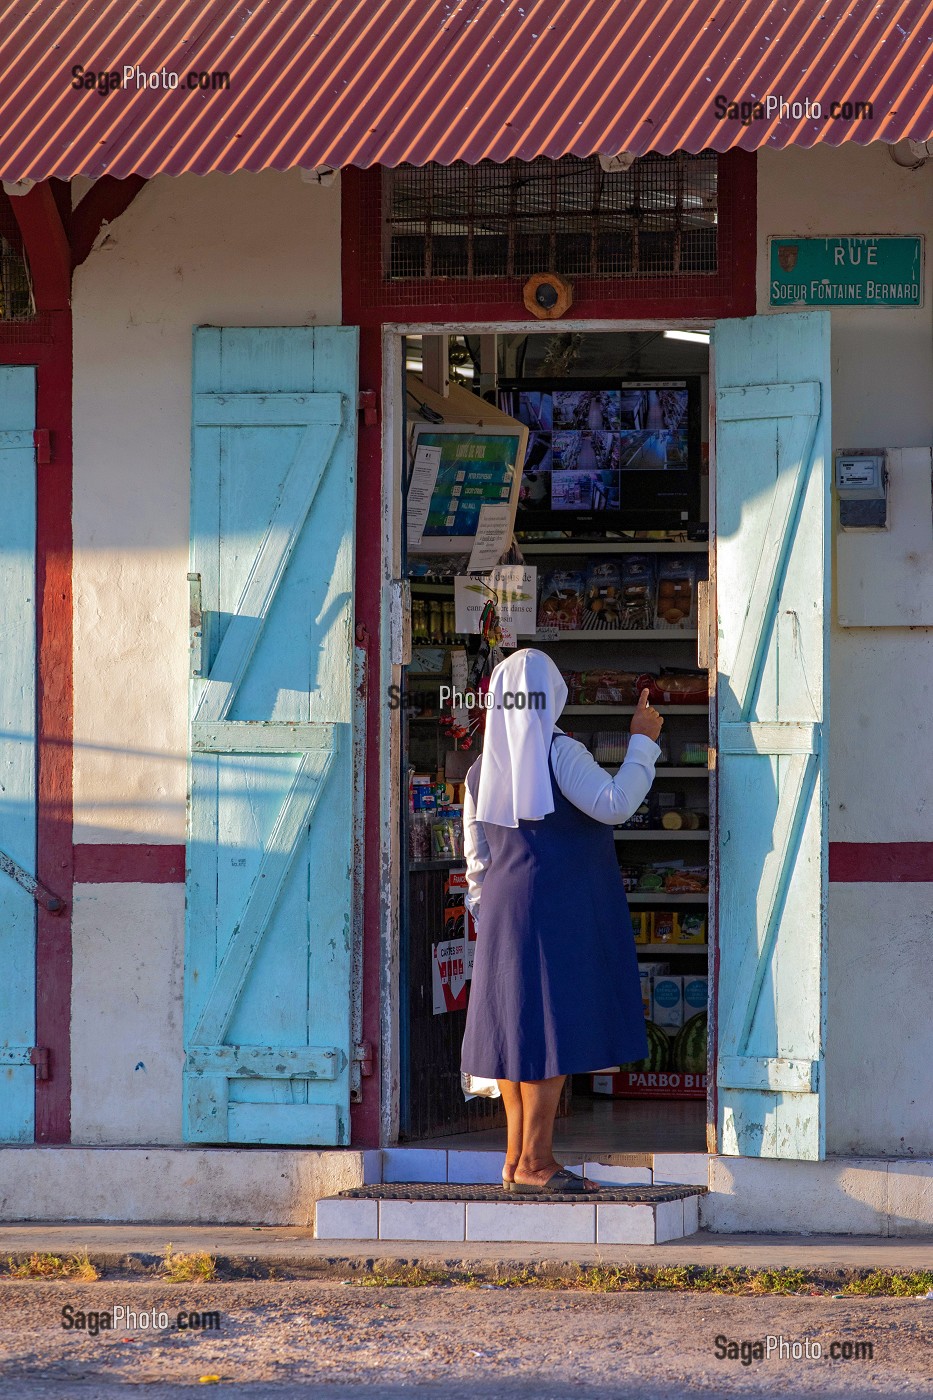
x: 563, y: 1183
x: 507, y: 1183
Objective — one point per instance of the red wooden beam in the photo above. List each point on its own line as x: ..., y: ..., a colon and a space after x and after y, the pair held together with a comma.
x: 105, y: 201
x: 45, y: 241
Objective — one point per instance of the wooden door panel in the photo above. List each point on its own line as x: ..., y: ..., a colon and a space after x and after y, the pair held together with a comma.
x: 773, y: 460
x: 270, y: 862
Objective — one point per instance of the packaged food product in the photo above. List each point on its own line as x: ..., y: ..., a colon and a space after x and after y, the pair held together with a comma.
x: 602, y: 600
x: 676, y: 604
x: 644, y: 977
x: 696, y: 995
x: 675, y: 687
x: 561, y: 601
x: 610, y: 745
x: 631, y: 874
x: 687, y: 880
x: 694, y: 755
x: 689, y: 928
x: 637, y: 581
x: 640, y: 820
x: 667, y: 1002
x: 641, y: 921
x: 601, y: 687
x: 662, y: 926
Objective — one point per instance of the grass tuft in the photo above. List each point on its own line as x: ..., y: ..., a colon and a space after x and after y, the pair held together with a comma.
x: 197, y: 1267
x: 76, y: 1267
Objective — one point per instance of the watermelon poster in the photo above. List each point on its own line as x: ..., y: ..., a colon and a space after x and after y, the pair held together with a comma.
x: 449, y: 976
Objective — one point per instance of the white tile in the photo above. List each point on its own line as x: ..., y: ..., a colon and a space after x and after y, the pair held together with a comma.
x: 421, y: 1220
x: 669, y: 1221
x: 346, y: 1220
x: 479, y: 1168
x: 372, y: 1167
x: 414, y: 1164
x: 613, y: 1175
x: 617, y: 1223
x: 681, y: 1169
x: 543, y: 1223
x: 691, y: 1215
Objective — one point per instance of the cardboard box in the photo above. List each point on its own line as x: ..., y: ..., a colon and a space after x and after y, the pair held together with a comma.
x: 645, y: 980
x: 690, y: 928
x: 695, y: 995
x: 667, y: 1002
x: 663, y: 926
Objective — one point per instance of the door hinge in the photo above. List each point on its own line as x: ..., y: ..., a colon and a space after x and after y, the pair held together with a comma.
x: 39, y: 1056
x: 43, y: 445
x: 368, y: 404
x: 363, y: 1054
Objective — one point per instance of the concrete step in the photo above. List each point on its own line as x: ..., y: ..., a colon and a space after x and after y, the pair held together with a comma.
x: 634, y: 1214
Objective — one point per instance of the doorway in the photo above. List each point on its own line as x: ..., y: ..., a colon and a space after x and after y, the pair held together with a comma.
x: 607, y: 414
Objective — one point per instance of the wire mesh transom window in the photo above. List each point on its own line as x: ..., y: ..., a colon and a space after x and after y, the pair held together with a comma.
x: 658, y: 218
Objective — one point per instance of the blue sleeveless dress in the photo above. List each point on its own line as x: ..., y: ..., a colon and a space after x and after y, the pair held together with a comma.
x: 555, y: 979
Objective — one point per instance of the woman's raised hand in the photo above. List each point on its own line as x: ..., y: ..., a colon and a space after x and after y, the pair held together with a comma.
x: 646, y: 719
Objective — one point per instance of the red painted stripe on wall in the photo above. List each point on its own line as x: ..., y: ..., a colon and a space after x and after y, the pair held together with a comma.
x: 850, y: 862
x: 880, y: 862
x: 129, y: 864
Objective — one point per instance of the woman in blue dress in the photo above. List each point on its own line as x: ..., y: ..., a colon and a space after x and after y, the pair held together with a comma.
x: 555, y: 979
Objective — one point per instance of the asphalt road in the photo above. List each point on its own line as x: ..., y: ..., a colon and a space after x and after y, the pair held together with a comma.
x: 283, y: 1339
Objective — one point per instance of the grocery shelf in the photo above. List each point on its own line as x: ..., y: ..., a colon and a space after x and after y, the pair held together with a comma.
x: 451, y: 863
x: 613, y: 547
x: 666, y: 948
x: 618, y: 634
x: 665, y: 897
x: 659, y: 834
x: 630, y: 710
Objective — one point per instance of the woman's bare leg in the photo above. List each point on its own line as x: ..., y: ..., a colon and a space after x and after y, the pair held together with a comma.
x: 540, y: 1098
x: 512, y: 1100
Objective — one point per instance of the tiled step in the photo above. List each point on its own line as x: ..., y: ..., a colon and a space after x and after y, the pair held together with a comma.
x: 635, y: 1214
x: 462, y: 1166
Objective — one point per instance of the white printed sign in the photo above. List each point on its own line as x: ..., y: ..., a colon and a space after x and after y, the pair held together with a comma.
x: 516, y: 590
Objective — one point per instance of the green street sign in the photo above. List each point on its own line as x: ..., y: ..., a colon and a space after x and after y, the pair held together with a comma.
x: 880, y: 271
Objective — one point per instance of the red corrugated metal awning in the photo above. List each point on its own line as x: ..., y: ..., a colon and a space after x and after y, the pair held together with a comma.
x: 366, y: 82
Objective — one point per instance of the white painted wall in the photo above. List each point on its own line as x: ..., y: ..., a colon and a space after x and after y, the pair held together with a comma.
x: 232, y: 250
x: 224, y: 250
x: 880, y: 1041
x: 126, y: 1036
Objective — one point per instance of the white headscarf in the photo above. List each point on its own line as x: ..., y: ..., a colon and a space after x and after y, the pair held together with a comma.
x: 528, y: 694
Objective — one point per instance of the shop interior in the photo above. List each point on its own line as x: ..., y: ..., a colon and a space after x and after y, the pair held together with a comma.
x: 611, y: 511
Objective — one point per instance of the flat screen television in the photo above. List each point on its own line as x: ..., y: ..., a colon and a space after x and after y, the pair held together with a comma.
x: 608, y: 454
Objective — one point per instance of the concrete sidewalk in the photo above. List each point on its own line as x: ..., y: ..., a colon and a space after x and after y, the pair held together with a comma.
x: 134, y: 1251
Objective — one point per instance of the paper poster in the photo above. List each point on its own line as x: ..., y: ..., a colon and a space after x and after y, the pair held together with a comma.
x: 420, y: 491
x: 515, y: 587
x: 449, y: 976
x: 459, y: 683
x: 493, y: 536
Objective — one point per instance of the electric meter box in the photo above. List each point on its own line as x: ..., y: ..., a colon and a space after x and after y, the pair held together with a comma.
x: 862, y: 487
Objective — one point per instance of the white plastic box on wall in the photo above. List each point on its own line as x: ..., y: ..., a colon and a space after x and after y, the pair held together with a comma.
x: 884, y: 578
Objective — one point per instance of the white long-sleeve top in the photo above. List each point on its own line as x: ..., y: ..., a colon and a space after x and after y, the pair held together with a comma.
x: 605, y: 797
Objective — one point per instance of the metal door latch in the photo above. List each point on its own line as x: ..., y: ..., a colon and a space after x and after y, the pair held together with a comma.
x: 39, y: 1056
x: 40, y: 893
x: 363, y: 1055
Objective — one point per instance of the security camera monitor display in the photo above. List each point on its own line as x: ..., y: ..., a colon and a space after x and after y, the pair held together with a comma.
x: 619, y: 454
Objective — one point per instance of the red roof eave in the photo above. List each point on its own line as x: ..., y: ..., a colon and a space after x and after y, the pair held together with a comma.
x: 384, y: 82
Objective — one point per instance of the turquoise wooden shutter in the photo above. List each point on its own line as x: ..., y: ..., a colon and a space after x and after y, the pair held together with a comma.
x: 17, y: 750
x: 773, y: 460
x: 270, y: 857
